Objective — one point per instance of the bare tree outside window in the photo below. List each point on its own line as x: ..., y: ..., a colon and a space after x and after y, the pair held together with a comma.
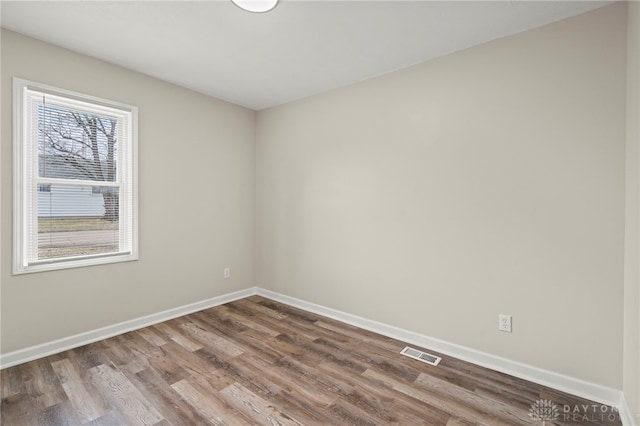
x: 77, y: 145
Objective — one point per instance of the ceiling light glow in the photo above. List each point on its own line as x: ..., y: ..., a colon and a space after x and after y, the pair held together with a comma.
x: 257, y: 6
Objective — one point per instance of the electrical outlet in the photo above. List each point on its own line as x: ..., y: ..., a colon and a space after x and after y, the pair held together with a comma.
x: 504, y: 323
x: 226, y: 273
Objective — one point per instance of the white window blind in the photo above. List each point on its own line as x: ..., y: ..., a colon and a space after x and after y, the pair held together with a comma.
x: 74, y: 179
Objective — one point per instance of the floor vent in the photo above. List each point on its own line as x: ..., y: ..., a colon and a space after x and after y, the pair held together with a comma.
x: 421, y: 356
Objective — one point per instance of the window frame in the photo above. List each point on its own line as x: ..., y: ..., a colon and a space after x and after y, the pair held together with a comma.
x: 23, y: 206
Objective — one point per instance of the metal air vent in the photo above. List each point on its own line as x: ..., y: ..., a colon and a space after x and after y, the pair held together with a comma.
x: 421, y: 356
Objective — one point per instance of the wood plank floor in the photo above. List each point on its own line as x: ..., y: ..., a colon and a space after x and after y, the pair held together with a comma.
x: 255, y: 361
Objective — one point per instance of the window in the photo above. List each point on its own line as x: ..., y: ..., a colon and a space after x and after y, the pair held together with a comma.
x: 75, y: 190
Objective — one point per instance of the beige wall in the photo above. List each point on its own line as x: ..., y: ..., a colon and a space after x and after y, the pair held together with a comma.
x: 436, y: 197
x: 196, y: 187
x: 631, y: 383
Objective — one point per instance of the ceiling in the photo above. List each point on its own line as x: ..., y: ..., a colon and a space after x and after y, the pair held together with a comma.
x: 299, y: 49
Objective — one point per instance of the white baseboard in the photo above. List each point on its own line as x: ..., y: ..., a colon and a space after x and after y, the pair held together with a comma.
x: 626, y: 415
x: 591, y: 391
x: 34, y: 352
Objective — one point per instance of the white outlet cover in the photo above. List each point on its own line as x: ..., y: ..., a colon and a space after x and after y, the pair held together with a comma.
x: 504, y: 323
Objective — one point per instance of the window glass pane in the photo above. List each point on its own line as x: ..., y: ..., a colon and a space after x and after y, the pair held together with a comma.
x: 72, y: 222
x: 76, y: 145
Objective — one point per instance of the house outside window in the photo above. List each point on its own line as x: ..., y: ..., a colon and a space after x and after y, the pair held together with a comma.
x: 75, y: 189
